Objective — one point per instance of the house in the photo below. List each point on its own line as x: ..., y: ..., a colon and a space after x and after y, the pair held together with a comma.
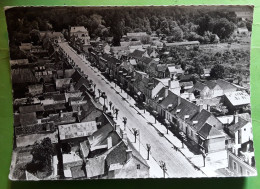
x: 226, y: 86
x: 25, y: 47
x: 137, y: 54
x: 136, y: 35
x: 242, y: 31
x: 62, y: 84
x: 19, y: 62
x: 161, y: 68
x: 206, y: 73
x: 185, y: 86
x: 35, y: 89
x: 240, y: 131
x: 201, y: 90
x: 236, y: 101
x: 242, y: 161
x: 76, y: 131
x: 213, y: 139
x: 80, y: 32
x: 185, y: 43
x: 215, y: 89
x: 173, y: 71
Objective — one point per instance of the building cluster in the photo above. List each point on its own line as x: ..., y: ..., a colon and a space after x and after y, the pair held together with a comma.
x: 212, y: 116
x: 53, y: 100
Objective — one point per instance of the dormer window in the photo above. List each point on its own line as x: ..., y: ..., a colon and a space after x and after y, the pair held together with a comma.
x: 194, y: 122
x: 178, y: 110
x: 186, y: 116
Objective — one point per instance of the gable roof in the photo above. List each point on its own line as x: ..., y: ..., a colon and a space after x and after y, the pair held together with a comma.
x: 237, y: 98
x: 240, y: 124
x: 28, y: 119
x: 201, y: 118
x: 95, y: 166
x: 136, y: 54
x: 75, y: 29
x: 76, y: 76
x: 225, y: 85
x: 146, y: 60
x: 208, y: 132
x: 199, y: 86
x: 211, y: 84
x: 31, y: 108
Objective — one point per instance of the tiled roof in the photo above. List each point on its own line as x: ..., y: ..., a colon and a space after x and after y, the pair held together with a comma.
x: 53, y: 107
x: 186, y: 108
x: 80, y: 82
x: 136, y: 54
x: 28, y: 119
x: 146, y: 60
x: 100, y: 135
x: 201, y: 118
x: 199, y: 86
x: 186, y: 84
x: 161, y: 67
x: 235, y: 127
x: 75, y: 29
x: 24, y: 75
x: 208, y: 131
x: 76, y: 76
x: 186, y: 77
x: 170, y: 99
x: 211, y: 84
x: 95, y: 166
x: 31, y: 108
x: 76, y: 130
x: 237, y: 98
x: 225, y: 85
x: 60, y: 83
x: 78, y: 172
x: 59, y: 97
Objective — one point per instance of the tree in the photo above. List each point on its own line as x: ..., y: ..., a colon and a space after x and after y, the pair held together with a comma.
x: 42, y: 153
x: 148, y: 150
x: 223, y: 28
x: 177, y: 33
x: 136, y: 133
x: 218, y: 71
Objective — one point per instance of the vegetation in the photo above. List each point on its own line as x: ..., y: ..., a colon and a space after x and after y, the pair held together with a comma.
x: 176, y: 23
x: 42, y: 156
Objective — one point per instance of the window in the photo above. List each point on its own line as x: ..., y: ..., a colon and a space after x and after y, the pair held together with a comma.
x: 138, y: 166
x: 241, y: 170
x: 191, y: 133
x: 234, y: 166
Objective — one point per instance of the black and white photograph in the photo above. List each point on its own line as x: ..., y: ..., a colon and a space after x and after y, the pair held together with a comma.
x: 130, y: 92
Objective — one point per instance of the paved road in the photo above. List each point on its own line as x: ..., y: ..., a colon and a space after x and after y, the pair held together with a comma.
x: 177, y: 165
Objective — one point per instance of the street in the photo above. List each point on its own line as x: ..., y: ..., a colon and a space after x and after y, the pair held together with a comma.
x: 161, y: 150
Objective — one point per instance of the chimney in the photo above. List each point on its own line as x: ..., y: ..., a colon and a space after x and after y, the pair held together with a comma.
x: 208, y: 107
x: 61, y: 114
x: 129, y: 154
x: 124, y: 136
x: 79, y: 111
x: 247, y: 147
x: 170, y: 83
x: 166, y: 92
x: 179, y: 100
x: 109, y: 142
x: 235, y: 118
x: 200, y: 107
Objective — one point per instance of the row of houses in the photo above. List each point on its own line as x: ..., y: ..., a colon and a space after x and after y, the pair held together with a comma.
x: 190, y: 105
x: 61, y: 105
